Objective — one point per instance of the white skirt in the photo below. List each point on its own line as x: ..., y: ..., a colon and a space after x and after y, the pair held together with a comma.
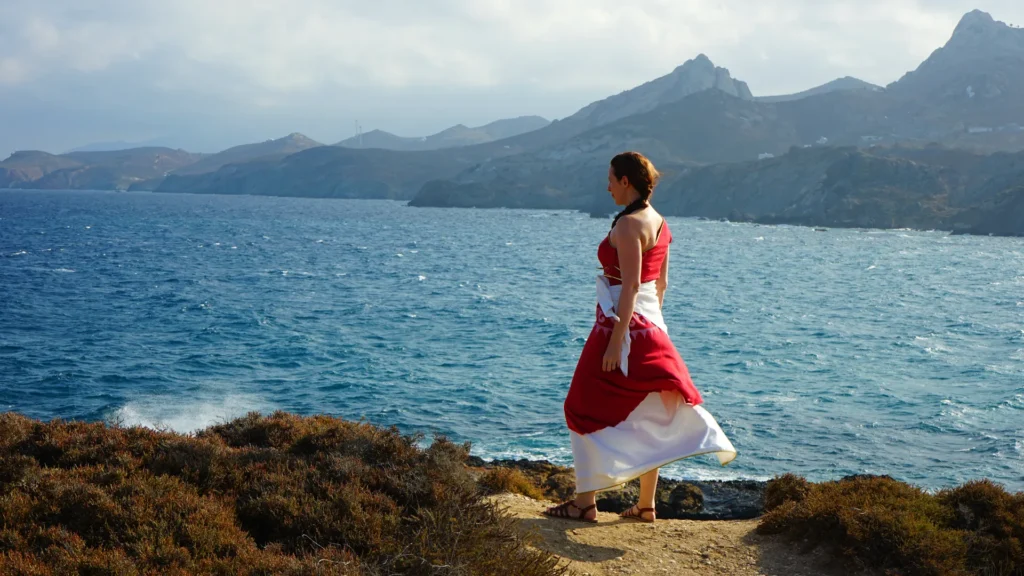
x: 661, y: 430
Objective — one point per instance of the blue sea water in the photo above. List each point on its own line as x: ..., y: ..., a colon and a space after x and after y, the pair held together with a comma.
x: 820, y: 353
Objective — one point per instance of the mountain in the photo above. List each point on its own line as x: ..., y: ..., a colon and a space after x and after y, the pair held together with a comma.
x: 452, y: 137
x: 693, y: 76
x: 975, y: 82
x: 90, y: 170
x: 715, y: 127
x: 845, y: 83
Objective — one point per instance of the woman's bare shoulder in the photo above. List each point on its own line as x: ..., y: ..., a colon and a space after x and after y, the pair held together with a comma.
x: 630, y: 225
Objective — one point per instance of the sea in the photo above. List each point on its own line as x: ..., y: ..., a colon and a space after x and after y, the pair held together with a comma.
x: 824, y: 353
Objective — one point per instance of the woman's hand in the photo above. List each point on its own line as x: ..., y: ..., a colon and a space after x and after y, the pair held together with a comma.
x: 612, y: 354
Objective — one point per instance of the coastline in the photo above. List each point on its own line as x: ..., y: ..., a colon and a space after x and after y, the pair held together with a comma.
x: 735, y: 219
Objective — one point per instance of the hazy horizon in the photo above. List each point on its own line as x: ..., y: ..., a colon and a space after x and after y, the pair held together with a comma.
x: 137, y: 72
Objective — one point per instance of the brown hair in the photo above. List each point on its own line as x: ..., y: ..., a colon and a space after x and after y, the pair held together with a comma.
x: 639, y: 170
x: 642, y: 176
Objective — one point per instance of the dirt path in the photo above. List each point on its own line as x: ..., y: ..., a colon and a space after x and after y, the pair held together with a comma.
x: 683, y: 547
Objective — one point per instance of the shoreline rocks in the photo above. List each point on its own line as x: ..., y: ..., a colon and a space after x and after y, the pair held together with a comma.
x: 676, y: 499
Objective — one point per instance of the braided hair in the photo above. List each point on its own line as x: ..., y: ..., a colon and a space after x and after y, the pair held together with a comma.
x: 642, y: 176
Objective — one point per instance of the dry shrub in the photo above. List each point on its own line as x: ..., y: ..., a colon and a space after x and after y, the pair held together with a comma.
x: 786, y: 488
x: 993, y: 521
x: 277, y: 494
x: 883, y: 523
x: 509, y: 480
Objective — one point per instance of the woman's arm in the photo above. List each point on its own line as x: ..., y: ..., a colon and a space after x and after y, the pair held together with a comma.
x: 662, y: 283
x: 627, y: 242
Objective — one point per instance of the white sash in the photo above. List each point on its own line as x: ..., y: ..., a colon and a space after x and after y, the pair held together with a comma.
x: 647, y: 305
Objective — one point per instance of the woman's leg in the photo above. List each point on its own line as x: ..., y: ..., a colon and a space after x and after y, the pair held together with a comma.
x: 586, y: 499
x: 648, y: 490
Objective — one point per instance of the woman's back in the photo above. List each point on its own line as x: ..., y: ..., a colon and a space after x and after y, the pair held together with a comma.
x: 655, y: 239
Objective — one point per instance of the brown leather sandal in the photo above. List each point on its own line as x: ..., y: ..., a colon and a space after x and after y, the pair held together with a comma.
x: 562, y: 511
x: 639, y: 514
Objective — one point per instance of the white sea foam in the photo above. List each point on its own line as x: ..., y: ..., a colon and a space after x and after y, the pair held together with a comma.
x: 64, y: 270
x: 186, y: 415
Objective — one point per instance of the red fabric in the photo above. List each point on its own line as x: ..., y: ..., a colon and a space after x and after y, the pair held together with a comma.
x: 650, y: 263
x: 599, y: 399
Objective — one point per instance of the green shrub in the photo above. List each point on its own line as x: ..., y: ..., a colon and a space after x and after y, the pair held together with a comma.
x: 260, y: 495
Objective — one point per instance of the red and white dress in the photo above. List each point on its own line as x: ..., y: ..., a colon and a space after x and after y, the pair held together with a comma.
x: 646, y: 414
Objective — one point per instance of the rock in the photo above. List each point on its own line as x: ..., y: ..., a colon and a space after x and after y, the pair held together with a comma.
x: 683, y: 499
x: 730, y: 500
x: 561, y: 484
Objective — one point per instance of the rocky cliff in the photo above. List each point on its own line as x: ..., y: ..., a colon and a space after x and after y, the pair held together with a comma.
x: 848, y: 187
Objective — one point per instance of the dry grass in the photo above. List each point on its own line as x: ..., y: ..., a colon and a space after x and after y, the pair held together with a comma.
x: 878, y: 522
x: 509, y: 481
x: 260, y: 495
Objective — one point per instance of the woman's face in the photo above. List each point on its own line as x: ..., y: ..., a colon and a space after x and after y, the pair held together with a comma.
x: 619, y: 188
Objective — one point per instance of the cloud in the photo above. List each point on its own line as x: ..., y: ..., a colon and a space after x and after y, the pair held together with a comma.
x: 246, y: 67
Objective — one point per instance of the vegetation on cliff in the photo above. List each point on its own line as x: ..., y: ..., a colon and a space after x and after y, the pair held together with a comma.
x: 878, y: 522
x: 259, y: 495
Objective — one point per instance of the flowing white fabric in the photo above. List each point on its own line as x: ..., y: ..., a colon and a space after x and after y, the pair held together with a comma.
x: 658, y: 432
x: 647, y: 305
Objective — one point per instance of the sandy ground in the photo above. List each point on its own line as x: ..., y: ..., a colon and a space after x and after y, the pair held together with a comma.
x: 615, y: 546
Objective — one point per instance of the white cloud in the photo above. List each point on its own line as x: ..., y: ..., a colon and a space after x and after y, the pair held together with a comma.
x: 343, y: 59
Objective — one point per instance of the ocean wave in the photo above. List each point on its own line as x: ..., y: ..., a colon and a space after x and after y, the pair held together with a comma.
x: 185, y: 416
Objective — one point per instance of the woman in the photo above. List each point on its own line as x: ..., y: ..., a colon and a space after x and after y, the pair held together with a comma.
x: 632, y: 407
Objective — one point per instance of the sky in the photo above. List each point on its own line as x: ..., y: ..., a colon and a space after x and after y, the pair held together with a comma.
x: 205, y: 75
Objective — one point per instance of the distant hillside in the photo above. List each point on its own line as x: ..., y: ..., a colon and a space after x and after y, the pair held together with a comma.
x: 122, y: 145
x: 382, y: 181
x: 90, y: 170
x: 847, y: 187
x: 846, y: 83
x: 706, y: 127
x: 134, y: 168
x: 262, y: 151
x: 327, y: 172
x: 30, y: 165
x: 452, y: 137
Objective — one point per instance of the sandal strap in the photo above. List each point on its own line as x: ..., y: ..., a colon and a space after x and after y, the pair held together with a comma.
x: 562, y: 510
